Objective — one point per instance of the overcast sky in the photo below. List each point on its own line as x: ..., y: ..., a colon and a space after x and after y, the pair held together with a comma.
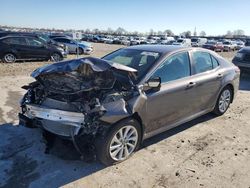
x: 215, y: 17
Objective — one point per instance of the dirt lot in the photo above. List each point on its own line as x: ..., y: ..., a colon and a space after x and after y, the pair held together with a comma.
x: 207, y: 152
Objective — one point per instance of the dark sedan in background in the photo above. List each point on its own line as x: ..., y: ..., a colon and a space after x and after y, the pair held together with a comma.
x: 14, y: 48
x: 242, y: 59
x: 127, y: 96
x: 45, y: 38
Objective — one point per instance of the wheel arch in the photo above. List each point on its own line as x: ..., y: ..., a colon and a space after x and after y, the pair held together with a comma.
x: 137, y: 117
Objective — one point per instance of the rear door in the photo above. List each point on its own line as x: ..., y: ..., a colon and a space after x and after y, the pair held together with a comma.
x: 207, y: 77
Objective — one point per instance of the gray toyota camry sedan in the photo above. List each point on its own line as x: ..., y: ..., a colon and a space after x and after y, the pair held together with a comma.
x: 116, y: 102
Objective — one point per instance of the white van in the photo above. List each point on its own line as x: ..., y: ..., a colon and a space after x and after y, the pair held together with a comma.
x: 183, y: 42
x: 198, y: 42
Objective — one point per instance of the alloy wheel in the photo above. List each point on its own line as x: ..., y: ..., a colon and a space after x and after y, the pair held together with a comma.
x: 9, y: 58
x: 224, y: 100
x: 123, y: 143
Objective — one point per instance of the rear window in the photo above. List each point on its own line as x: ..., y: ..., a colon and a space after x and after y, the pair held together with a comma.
x: 202, y: 62
x: 214, y: 61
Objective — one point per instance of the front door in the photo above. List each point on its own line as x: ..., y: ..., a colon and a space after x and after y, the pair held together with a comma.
x: 174, y: 100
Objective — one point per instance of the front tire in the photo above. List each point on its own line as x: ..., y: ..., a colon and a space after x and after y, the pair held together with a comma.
x: 119, y: 143
x: 80, y: 50
x: 9, y: 58
x: 223, y: 102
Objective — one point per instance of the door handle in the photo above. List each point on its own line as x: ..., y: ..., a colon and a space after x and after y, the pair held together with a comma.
x: 190, y: 85
x: 220, y: 75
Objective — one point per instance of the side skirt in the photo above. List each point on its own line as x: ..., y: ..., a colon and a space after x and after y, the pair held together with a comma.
x: 167, y: 127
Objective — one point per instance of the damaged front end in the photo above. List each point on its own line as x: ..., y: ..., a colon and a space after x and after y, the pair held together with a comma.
x: 78, y: 97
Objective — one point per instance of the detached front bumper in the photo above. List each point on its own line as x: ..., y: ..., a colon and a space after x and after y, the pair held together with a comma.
x: 59, y: 122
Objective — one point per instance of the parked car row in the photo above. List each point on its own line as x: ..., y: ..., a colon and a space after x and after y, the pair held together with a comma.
x: 224, y: 45
x: 30, y: 46
x: 218, y: 46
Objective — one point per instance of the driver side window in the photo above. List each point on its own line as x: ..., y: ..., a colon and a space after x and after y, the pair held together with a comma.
x: 175, y: 67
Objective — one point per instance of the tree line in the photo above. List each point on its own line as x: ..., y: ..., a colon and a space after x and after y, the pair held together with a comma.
x: 122, y: 31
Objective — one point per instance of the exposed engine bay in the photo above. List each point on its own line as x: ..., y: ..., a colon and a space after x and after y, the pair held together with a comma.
x: 78, y: 97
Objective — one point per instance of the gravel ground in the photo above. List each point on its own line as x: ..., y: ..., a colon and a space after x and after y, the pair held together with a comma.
x: 207, y: 152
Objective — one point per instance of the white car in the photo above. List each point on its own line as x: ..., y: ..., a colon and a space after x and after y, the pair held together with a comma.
x: 168, y: 40
x: 228, y: 46
x: 183, y: 42
x: 198, y: 42
x: 108, y: 40
x: 137, y: 40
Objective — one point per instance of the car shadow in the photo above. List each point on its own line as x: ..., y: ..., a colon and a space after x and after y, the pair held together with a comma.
x: 22, y: 151
x: 24, y: 162
x: 245, y: 82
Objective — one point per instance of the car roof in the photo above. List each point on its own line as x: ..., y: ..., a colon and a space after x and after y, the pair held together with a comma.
x: 163, y: 49
x: 16, y: 36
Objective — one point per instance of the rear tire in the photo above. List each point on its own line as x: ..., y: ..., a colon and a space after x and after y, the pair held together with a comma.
x: 223, y: 101
x: 56, y: 57
x: 119, y: 143
x: 9, y: 58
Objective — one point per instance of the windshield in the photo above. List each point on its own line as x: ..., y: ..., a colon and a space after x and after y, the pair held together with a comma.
x: 140, y: 60
x: 226, y: 42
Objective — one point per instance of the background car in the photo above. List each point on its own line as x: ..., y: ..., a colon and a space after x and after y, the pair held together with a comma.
x: 240, y: 44
x: 228, y: 46
x: 74, y: 46
x: 214, y: 46
x: 242, y: 59
x: 198, y: 42
x: 168, y: 40
x: 45, y: 38
x: 183, y: 42
x: 14, y: 48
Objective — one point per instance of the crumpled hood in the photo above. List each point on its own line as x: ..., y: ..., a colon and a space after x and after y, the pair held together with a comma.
x: 98, y: 65
x: 83, y: 74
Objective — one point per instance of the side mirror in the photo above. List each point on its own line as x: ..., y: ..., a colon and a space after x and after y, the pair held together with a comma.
x: 153, y: 83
